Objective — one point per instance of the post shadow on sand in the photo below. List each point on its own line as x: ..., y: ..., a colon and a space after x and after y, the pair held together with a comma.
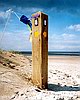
x: 54, y: 87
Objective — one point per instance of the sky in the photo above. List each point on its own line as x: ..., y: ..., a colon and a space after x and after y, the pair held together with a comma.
x: 63, y: 27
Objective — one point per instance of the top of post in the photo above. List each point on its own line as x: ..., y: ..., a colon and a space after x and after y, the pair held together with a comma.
x: 37, y: 14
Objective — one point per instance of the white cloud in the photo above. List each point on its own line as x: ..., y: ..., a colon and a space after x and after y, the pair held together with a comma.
x: 15, y: 41
x: 74, y: 27
x: 20, y: 41
x: 65, y: 41
x: 5, y: 14
x: 27, y: 10
x: 2, y: 14
x: 68, y: 36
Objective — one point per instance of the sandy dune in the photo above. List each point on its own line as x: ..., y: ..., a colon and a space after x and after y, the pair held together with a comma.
x: 16, y: 83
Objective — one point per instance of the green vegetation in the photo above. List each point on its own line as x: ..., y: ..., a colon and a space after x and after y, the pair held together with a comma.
x: 1, y: 51
x: 15, y: 52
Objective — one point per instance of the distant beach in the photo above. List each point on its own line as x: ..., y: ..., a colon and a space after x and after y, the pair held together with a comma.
x: 54, y: 53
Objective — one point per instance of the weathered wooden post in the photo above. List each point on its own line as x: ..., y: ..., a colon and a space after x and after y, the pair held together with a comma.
x: 40, y: 49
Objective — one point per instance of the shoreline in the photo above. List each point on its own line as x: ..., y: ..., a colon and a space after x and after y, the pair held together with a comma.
x: 52, y: 53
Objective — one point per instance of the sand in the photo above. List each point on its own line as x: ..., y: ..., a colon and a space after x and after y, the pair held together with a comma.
x: 16, y: 83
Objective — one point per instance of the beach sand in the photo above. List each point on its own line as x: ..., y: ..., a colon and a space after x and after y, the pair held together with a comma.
x: 16, y: 83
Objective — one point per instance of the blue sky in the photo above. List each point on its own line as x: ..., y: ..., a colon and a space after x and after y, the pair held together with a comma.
x: 64, y: 24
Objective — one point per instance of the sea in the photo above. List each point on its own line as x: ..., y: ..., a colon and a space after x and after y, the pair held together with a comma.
x: 54, y: 53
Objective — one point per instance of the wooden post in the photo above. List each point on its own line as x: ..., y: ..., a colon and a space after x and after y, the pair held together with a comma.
x: 40, y: 49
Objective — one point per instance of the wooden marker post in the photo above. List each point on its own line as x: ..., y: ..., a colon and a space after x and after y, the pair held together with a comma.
x: 40, y: 49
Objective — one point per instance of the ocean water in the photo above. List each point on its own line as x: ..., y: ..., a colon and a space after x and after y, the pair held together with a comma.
x: 52, y: 53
